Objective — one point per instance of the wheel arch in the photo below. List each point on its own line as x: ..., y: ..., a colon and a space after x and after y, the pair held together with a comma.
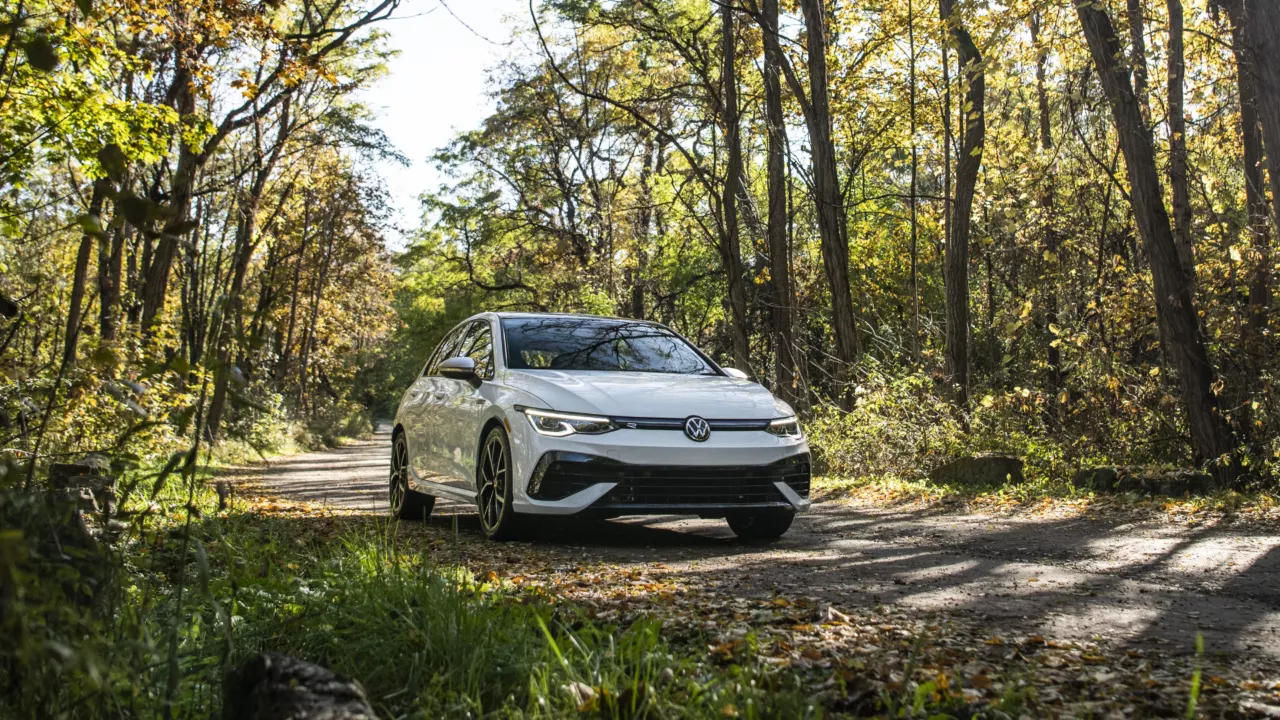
x: 496, y: 421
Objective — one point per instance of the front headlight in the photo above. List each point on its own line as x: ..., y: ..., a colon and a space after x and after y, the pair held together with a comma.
x: 784, y: 427
x: 556, y: 424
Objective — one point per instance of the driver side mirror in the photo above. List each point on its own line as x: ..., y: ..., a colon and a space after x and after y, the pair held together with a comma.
x: 460, y: 368
x: 734, y: 373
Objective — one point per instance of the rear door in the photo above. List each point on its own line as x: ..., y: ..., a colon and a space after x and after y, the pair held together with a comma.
x: 471, y: 403
x: 428, y: 423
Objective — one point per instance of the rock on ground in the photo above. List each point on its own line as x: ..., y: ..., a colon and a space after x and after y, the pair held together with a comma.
x: 271, y: 686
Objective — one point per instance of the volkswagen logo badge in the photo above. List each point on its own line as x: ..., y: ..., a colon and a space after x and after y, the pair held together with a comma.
x: 697, y: 429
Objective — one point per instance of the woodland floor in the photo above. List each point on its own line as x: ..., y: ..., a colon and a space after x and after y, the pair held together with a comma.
x: 1093, y: 597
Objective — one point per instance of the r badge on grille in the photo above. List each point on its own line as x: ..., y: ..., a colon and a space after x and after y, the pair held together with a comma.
x: 697, y: 429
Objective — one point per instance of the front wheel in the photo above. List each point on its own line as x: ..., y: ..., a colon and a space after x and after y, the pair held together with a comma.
x: 494, y: 487
x: 406, y: 503
x: 767, y: 524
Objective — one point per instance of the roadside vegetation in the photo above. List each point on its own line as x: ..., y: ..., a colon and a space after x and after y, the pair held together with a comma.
x: 435, y: 624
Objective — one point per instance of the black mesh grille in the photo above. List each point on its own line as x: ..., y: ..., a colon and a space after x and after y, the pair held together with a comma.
x: 561, y: 474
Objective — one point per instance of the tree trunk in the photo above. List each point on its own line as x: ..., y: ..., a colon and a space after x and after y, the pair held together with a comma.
x: 1180, y: 332
x: 1138, y: 57
x: 1053, y: 354
x: 640, y: 241
x: 110, y: 269
x: 79, y: 279
x: 1255, y: 193
x: 309, y: 332
x: 181, y: 190
x: 779, y: 265
x: 956, y: 256
x: 730, y: 242
x: 915, y: 188
x: 1178, y: 148
x: 832, y: 228
x: 1262, y: 23
x: 286, y: 350
x: 245, y: 243
x: 231, y: 326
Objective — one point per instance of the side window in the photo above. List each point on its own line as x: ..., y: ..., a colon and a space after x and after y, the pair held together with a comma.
x: 432, y: 359
x: 481, y: 349
x: 448, y: 348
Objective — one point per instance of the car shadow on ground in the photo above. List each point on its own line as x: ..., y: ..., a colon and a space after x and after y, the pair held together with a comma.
x: 650, y: 533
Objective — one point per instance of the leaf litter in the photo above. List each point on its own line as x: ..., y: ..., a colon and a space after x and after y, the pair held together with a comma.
x: 856, y: 661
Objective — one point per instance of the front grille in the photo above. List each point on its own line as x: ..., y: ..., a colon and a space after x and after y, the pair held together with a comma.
x: 559, y: 475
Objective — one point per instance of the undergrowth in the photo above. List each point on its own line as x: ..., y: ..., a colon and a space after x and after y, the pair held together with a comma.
x: 148, y: 627
x: 900, y: 427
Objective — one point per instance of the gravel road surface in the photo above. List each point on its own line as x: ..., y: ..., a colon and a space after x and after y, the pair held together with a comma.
x: 1150, y: 584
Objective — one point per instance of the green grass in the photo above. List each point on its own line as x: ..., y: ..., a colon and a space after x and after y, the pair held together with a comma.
x: 187, y: 602
x: 428, y: 640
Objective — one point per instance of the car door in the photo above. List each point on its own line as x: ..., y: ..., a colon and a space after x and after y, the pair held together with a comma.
x: 471, y: 403
x: 457, y: 402
x: 427, y: 426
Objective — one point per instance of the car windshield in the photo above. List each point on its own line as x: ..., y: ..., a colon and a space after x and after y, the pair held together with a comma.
x: 577, y: 343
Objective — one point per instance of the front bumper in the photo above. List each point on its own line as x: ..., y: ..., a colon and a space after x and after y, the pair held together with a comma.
x: 644, y: 489
x: 740, y: 451
x: 639, y: 471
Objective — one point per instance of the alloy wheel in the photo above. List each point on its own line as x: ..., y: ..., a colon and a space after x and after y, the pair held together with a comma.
x: 494, y: 476
x: 399, y: 474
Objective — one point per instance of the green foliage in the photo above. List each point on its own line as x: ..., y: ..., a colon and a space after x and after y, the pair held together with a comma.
x: 465, y: 645
x: 92, y: 633
x: 901, y: 426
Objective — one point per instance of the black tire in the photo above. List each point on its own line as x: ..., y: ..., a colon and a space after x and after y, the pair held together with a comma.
x: 767, y: 524
x: 494, y: 487
x: 406, y: 503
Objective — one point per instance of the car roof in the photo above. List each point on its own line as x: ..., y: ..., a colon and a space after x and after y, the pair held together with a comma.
x: 511, y: 314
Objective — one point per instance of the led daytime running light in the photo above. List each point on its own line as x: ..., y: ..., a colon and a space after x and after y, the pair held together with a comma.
x: 554, y: 424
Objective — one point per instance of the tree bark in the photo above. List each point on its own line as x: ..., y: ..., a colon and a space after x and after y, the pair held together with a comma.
x: 915, y: 188
x: 80, y: 277
x: 832, y: 227
x: 1180, y: 333
x: 110, y: 269
x: 1047, y: 207
x: 1178, y: 148
x: 956, y: 255
x: 181, y: 190
x: 644, y: 221
x: 779, y: 265
x: 730, y: 242
x: 246, y: 242
x: 1138, y: 57
x: 1262, y: 23
x: 1255, y: 193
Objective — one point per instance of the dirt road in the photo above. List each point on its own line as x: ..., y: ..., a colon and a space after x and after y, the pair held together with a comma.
x: 1149, y: 584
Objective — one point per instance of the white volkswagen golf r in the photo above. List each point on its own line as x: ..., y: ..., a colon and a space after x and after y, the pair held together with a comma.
x: 530, y: 414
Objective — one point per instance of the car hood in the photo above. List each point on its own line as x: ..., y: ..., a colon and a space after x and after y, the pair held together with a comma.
x: 649, y: 395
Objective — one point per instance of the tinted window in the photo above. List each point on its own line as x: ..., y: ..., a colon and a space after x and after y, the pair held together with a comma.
x: 448, y: 347
x: 569, y: 343
x: 480, y: 349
